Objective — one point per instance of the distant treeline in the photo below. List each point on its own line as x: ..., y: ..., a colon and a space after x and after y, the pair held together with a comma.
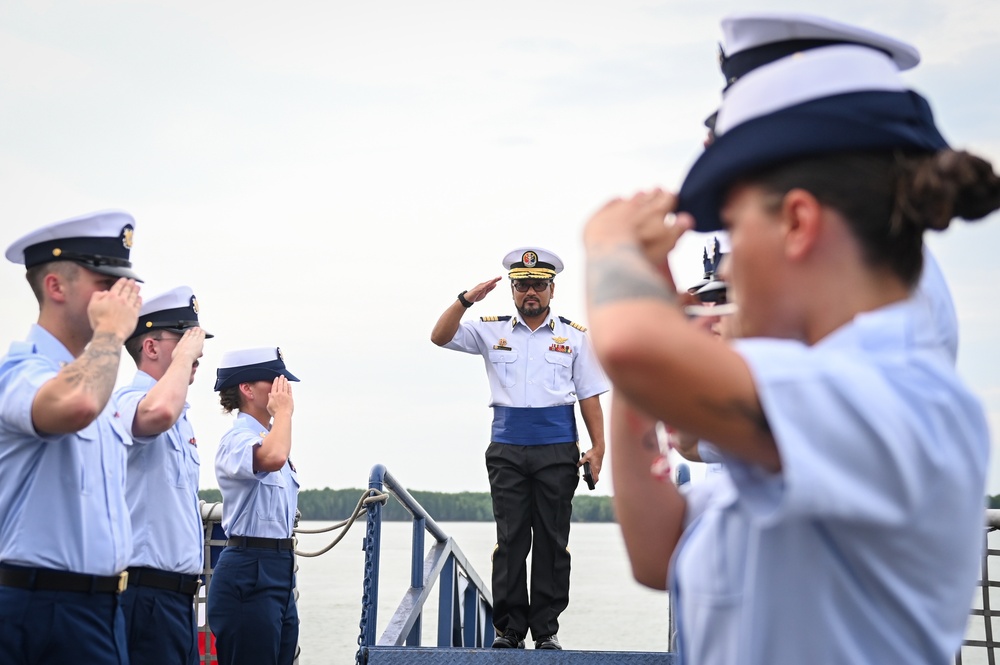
x: 334, y: 505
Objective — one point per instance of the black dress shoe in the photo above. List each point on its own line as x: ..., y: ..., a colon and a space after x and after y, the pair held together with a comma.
x: 548, y: 642
x: 509, y: 640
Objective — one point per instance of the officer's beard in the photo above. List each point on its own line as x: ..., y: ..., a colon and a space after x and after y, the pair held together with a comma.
x: 531, y: 309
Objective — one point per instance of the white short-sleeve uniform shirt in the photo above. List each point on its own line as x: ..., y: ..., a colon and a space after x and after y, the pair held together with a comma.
x: 866, y: 547
x: 162, y: 489
x: 256, y: 504
x: 552, y: 365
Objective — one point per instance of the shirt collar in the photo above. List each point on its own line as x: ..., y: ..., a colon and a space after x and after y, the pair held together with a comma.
x: 248, y: 421
x: 550, y: 324
x: 47, y: 345
x: 894, y: 327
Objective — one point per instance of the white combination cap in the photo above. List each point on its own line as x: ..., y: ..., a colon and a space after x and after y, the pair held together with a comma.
x: 264, y: 363
x: 176, y: 310
x: 99, y: 241
x: 532, y: 263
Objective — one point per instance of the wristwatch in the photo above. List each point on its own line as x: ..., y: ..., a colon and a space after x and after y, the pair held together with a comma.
x: 461, y: 298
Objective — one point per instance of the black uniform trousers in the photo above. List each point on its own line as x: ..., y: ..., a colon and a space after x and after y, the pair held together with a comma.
x: 161, y: 626
x: 532, y: 489
x: 59, y: 627
x: 251, y: 607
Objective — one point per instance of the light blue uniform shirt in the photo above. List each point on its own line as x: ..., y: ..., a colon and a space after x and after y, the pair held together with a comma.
x: 62, y: 496
x: 162, y: 490
x: 260, y: 505
x: 529, y: 372
x: 866, y: 547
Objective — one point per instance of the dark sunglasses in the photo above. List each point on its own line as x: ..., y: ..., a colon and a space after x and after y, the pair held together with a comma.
x: 539, y: 285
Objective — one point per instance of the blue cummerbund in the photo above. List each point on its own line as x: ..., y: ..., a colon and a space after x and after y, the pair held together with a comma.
x: 534, y: 427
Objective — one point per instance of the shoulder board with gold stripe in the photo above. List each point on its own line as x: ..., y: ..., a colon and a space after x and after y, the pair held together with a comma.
x: 573, y: 324
x: 488, y: 319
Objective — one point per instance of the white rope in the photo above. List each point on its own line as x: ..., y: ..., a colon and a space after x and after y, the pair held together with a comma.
x: 369, y: 497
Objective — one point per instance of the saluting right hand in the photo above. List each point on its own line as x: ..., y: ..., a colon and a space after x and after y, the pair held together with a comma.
x: 189, y: 347
x: 279, y: 400
x: 117, y: 309
x: 479, y: 291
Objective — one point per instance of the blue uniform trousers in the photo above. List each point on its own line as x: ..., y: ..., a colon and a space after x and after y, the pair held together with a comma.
x: 60, y: 627
x: 161, y: 627
x: 251, y: 609
x: 532, y: 489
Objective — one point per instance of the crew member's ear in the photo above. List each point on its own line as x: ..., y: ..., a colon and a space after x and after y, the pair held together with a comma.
x: 803, y: 215
x: 54, y: 287
x: 149, y: 348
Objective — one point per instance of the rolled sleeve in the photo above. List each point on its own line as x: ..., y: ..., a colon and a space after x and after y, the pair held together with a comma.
x: 235, y: 457
x: 128, y: 405
x: 20, y: 382
x: 466, y: 339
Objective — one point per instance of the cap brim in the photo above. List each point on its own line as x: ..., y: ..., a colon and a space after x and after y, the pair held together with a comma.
x: 181, y: 331
x: 114, y: 271
x: 251, y: 374
x: 753, y: 29
x: 847, y: 122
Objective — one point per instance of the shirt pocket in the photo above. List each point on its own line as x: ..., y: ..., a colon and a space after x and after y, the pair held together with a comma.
x: 88, y: 455
x: 560, y: 367
x: 184, y: 460
x: 504, y: 365
x: 270, y: 503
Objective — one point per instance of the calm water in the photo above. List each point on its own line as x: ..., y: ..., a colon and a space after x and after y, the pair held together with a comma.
x: 608, y: 610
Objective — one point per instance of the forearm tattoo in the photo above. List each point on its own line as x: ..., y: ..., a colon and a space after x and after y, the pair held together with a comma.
x: 96, y: 370
x: 623, y: 273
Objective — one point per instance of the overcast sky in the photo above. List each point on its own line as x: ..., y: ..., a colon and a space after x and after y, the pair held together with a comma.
x: 328, y: 175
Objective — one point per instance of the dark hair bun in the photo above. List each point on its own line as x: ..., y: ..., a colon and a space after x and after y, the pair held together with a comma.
x: 934, y: 190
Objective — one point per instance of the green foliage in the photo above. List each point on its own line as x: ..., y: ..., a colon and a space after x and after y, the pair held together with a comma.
x: 334, y: 505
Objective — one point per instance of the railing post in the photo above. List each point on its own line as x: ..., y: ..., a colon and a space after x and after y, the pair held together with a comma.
x: 373, y: 549
x: 446, y: 603
x: 471, y: 631
x: 417, y: 574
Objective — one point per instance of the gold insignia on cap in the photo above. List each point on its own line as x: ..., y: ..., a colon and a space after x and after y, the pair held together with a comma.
x: 529, y: 259
x: 280, y: 357
x: 560, y: 340
x: 149, y: 324
x: 194, y: 304
x: 56, y: 252
x: 127, y: 232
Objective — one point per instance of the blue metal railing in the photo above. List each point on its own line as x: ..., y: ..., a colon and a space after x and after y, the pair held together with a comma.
x: 465, y: 608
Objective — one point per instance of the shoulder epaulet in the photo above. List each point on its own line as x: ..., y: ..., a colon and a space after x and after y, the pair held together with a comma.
x: 489, y: 319
x: 573, y: 324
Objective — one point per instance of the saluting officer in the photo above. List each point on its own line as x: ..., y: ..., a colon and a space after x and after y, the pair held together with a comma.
x: 65, y: 535
x: 251, y: 609
x: 162, y: 488
x: 538, y: 365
